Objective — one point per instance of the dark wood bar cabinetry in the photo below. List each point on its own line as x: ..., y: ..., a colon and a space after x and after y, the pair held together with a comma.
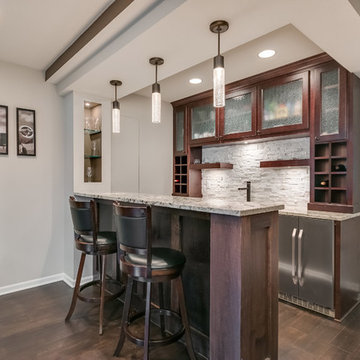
x: 314, y: 97
x: 238, y: 271
x: 334, y: 141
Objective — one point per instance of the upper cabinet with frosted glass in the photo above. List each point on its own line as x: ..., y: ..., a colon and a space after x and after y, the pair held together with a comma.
x: 180, y: 131
x: 273, y: 107
x: 238, y: 119
x: 284, y: 104
x: 235, y: 121
x: 330, y: 102
x: 203, y: 122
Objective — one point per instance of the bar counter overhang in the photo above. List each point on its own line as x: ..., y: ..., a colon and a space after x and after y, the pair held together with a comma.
x: 243, y: 312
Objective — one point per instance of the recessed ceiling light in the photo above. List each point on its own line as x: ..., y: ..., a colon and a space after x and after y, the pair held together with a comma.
x: 195, y: 81
x: 266, y: 54
x: 87, y: 104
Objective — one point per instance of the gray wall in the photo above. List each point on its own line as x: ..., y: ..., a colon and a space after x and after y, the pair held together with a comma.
x: 31, y: 188
x: 142, y: 152
x: 36, y: 231
x: 69, y: 268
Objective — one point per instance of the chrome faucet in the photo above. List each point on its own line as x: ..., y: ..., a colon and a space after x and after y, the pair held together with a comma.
x: 248, y: 190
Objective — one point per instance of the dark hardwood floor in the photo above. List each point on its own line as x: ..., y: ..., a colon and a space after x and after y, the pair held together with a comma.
x: 304, y: 335
x: 32, y: 327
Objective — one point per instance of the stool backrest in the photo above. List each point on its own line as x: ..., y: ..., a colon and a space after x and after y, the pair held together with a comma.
x: 83, y: 214
x: 133, y: 231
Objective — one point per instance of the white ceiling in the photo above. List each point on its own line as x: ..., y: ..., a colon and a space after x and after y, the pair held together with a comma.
x: 178, y: 31
x: 33, y: 33
x: 289, y: 43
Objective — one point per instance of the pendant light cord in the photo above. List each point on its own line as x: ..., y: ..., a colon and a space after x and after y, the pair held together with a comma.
x: 156, y: 70
x: 115, y: 92
x: 218, y: 40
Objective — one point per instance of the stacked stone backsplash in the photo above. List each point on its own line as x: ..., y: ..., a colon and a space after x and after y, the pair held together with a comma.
x: 287, y: 185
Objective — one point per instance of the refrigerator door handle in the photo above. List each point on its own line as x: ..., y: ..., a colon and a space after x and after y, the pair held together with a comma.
x: 293, y: 270
x: 300, y: 268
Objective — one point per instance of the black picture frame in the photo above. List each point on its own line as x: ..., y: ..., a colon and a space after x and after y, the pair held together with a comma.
x: 4, y: 129
x: 25, y: 132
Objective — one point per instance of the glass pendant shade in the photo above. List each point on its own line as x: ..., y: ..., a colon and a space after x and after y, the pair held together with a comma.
x: 156, y: 96
x: 156, y: 104
x: 219, y: 81
x: 218, y: 27
x: 116, y: 117
x: 115, y: 108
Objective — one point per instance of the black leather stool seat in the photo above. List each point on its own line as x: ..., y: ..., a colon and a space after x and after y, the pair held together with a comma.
x: 162, y: 258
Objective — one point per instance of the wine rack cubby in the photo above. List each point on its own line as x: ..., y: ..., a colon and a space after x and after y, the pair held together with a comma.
x: 331, y: 173
x: 180, y: 175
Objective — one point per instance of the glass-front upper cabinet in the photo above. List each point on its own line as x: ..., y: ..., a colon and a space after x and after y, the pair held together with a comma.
x: 239, y: 115
x: 283, y: 104
x: 179, y: 131
x: 203, y: 125
x: 330, y: 103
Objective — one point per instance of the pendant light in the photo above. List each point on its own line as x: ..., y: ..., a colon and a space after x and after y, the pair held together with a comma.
x: 219, y: 26
x: 156, y: 95
x: 116, y: 108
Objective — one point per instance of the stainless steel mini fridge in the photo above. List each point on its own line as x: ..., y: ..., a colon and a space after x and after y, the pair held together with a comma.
x: 306, y: 260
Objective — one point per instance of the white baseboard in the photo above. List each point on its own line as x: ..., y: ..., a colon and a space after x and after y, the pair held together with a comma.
x: 42, y: 281
x: 71, y: 282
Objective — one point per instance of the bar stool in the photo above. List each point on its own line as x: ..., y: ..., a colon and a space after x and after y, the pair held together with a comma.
x: 91, y: 242
x: 148, y: 265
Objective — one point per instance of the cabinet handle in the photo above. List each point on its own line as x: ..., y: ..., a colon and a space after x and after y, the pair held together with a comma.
x: 300, y: 269
x: 293, y: 271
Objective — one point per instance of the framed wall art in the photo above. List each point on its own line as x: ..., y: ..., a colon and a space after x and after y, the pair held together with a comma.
x: 25, y: 129
x: 3, y: 130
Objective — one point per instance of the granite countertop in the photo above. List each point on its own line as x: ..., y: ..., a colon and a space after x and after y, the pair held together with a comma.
x: 216, y: 206
x: 326, y: 215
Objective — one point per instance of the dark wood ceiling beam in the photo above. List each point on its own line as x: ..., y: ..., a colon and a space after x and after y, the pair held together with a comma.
x: 356, y: 5
x: 111, y: 12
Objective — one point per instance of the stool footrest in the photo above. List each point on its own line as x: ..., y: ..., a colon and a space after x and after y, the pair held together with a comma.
x: 153, y: 342
x: 96, y: 299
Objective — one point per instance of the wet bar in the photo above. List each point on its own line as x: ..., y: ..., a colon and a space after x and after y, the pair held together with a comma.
x: 243, y: 242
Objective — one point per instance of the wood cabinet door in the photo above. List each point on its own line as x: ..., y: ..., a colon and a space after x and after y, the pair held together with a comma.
x: 238, y: 119
x: 283, y: 104
x: 203, y: 122
x: 329, y: 105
